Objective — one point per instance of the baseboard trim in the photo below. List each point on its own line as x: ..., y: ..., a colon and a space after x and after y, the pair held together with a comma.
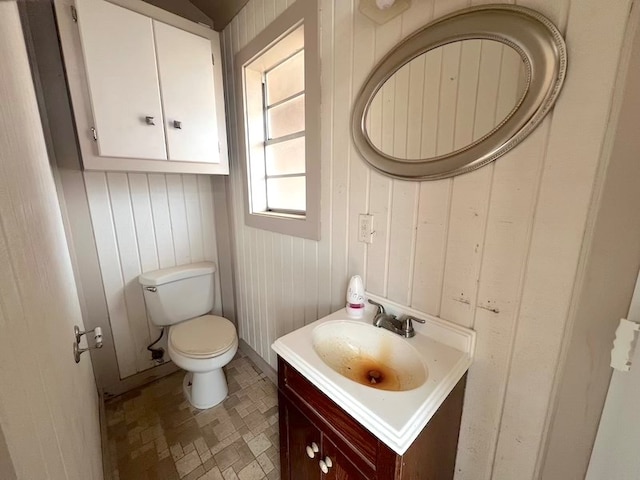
x: 107, y: 467
x: 139, y: 379
x: 267, y: 369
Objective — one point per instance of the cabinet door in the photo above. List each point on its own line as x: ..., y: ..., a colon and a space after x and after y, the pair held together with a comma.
x: 341, y: 467
x: 300, y: 434
x: 185, y: 67
x: 120, y: 62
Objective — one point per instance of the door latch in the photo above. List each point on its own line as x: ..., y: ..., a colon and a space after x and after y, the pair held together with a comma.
x: 97, y: 337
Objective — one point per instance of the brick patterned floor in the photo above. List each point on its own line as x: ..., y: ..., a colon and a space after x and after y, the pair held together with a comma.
x: 154, y: 434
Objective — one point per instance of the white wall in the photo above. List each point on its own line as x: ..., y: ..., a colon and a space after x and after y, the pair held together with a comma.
x: 496, y: 249
x: 143, y: 222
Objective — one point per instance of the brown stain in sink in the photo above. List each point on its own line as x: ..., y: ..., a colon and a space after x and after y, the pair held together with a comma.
x: 372, y: 373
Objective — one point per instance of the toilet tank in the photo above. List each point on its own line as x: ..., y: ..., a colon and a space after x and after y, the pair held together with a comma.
x: 175, y: 294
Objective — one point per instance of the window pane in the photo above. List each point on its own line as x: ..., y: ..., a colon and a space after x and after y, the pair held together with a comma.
x: 286, y: 79
x: 286, y: 157
x: 286, y: 193
x: 286, y: 118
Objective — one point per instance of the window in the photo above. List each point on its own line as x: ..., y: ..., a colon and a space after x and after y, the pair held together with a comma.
x: 279, y: 107
x: 283, y: 103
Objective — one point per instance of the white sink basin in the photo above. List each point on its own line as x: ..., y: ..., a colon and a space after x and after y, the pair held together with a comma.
x: 414, y: 375
x: 369, y: 355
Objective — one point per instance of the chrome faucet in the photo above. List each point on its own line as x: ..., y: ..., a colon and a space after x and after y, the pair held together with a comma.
x: 389, y: 322
x: 407, y: 326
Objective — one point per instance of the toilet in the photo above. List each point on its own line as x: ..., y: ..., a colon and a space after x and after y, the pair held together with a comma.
x: 181, y: 298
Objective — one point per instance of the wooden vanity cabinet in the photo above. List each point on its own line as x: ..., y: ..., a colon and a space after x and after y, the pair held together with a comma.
x: 302, y: 433
x: 308, y: 416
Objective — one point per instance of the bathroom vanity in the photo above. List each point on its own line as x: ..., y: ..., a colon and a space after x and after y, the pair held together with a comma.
x: 309, y: 417
x: 402, y: 424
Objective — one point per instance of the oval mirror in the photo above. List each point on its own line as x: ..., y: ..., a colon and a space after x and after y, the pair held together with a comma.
x: 459, y: 93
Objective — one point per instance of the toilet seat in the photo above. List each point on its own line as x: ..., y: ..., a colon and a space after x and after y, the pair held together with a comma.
x: 203, y: 337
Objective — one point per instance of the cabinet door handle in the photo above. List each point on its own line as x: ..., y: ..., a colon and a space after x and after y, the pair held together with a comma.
x: 149, y: 120
x: 325, y: 464
x: 312, y: 449
x: 177, y: 124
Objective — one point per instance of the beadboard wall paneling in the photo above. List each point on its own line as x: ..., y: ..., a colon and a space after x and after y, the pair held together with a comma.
x: 143, y: 222
x: 496, y: 249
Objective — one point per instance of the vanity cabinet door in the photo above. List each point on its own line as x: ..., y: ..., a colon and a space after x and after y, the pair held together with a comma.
x: 341, y: 467
x: 297, y: 434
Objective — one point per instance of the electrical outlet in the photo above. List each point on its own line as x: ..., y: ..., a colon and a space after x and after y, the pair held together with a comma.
x: 365, y: 228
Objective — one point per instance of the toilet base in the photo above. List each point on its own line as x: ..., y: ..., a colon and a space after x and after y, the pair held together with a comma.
x: 205, y: 390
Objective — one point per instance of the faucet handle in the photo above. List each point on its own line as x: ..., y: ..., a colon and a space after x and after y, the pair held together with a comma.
x: 380, y: 307
x: 408, y: 325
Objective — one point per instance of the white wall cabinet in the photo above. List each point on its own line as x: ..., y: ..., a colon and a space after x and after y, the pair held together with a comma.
x: 187, y: 94
x: 146, y: 87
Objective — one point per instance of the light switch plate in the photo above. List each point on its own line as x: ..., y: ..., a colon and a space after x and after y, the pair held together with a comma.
x: 365, y: 228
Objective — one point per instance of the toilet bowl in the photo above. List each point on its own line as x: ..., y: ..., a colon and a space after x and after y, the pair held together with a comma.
x: 181, y: 298
x: 202, y: 346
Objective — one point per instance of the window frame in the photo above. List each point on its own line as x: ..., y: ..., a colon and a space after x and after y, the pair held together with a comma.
x: 288, y: 223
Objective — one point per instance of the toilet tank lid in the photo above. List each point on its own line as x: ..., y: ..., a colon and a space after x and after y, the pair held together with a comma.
x: 166, y: 275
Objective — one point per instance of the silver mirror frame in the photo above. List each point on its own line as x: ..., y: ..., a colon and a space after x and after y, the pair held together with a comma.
x: 543, y: 52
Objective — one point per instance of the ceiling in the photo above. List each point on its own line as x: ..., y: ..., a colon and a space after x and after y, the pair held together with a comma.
x: 215, y: 13
x: 220, y: 11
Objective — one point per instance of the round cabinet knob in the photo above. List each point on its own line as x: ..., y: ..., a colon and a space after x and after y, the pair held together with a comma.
x: 149, y: 120
x: 312, y: 449
x: 177, y: 124
x: 325, y: 464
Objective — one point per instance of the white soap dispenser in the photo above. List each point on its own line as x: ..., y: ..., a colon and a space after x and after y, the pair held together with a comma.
x: 355, y: 297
